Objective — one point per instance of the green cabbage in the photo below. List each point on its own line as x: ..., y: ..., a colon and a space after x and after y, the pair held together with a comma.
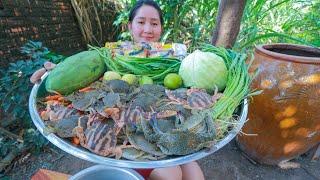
x: 204, y: 70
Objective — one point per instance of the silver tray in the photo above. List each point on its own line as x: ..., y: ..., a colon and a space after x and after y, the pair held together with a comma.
x: 89, y: 156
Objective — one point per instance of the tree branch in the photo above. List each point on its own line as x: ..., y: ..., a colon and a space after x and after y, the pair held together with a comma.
x: 12, y: 155
x: 11, y: 135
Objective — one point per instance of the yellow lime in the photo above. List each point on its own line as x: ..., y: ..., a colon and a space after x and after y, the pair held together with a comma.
x: 130, y: 78
x: 111, y: 75
x: 172, y: 81
x: 145, y: 80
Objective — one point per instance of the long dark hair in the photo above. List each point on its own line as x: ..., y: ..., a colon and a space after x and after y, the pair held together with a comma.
x: 140, y: 3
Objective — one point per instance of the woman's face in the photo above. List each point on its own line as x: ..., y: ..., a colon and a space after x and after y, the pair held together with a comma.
x: 146, y: 25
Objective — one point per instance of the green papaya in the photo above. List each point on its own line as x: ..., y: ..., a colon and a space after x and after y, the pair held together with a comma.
x: 75, y: 72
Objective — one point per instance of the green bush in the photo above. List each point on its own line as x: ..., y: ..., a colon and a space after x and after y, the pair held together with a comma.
x: 15, y: 87
x: 279, y: 21
x: 263, y: 21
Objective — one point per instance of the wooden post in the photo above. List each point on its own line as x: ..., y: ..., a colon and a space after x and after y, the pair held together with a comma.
x: 228, y: 22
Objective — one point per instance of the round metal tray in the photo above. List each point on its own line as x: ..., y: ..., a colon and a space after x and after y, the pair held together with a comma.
x: 87, y: 155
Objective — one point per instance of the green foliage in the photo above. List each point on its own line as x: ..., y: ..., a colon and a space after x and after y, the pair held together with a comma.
x: 185, y: 21
x: 6, y: 145
x: 14, y: 83
x: 264, y: 21
x: 15, y: 88
x: 37, y: 52
x: 188, y: 21
x: 280, y: 21
x: 33, y: 138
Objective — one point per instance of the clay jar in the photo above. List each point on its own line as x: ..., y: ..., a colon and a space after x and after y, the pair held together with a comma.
x: 284, y: 120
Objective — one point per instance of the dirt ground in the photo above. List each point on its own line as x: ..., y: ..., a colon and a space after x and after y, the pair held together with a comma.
x: 227, y: 163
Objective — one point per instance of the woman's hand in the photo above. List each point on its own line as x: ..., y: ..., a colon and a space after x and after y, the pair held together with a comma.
x: 36, y: 76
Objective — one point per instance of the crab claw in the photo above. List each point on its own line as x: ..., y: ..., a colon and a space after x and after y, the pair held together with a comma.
x: 154, y: 123
x: 179, y: 118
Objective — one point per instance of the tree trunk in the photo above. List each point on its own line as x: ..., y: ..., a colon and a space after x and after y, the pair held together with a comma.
x: 228, y: 22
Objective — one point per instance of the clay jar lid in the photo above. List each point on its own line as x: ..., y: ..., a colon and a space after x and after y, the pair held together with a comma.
x: 290, y: 52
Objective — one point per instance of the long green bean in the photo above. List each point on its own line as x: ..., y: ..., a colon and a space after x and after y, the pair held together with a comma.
x: 154, y: 67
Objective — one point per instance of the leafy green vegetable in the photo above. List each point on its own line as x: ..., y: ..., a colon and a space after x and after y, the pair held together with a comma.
x: 204, y: 70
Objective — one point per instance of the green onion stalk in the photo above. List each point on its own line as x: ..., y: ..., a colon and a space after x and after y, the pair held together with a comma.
x: 237, y: 87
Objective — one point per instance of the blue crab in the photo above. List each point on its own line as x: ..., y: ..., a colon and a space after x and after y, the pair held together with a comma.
x: 193, y: 98
x: 56, y: 111
x: 109, y: 94
x: 106, y: 101
x: 140, y: 123
x: 64, y: 127
x: 197, y: 132
x: 179, y: 123
x: 135, y: 154
x: 100, y: 137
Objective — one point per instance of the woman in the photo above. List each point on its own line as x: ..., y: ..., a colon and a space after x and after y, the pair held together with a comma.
x: 145, y: 25
x: 145, y: 21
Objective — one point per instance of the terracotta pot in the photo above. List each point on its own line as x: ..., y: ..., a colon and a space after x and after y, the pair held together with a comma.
x: 284, y: 121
